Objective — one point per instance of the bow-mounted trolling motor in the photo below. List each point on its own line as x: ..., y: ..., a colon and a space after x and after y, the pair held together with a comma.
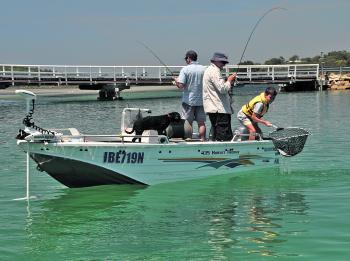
x: 30, y: 127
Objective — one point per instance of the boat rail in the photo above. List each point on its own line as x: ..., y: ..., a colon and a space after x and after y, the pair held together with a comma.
x: 237, y: 136
x: 66, y: 135
x: 158, y: 139
x: 73, y: 135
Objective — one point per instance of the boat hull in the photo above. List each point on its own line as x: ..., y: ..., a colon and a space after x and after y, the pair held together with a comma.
x: 82, y: 164
x: 75, y: 174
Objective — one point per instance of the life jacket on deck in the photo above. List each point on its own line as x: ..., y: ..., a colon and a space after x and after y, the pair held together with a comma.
x: 248, y: 108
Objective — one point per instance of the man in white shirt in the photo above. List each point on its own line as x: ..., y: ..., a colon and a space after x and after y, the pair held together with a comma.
x: 216, y: 98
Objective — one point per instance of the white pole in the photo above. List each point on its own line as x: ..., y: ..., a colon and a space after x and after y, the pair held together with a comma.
x: 27, y: 175
x: 28, y: 96
x: 27, y: 197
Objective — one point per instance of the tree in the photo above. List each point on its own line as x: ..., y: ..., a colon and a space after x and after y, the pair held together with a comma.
x: 306, y: 60
x: 333, y: 58
x: 247, y: 63
x: 279, y: 60
x: 294, y: 58
x: 340, y: 63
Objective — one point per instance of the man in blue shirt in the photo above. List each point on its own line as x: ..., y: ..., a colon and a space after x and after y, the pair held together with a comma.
x: 190, y: 80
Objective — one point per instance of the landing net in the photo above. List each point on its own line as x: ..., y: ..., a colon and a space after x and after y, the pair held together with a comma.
x: 289, y: 141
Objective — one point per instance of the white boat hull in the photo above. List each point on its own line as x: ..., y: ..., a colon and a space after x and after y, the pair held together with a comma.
x: 84, y: 163
x: 78, y: 160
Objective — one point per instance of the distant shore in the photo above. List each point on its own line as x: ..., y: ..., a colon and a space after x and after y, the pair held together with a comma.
x: 74, y: 90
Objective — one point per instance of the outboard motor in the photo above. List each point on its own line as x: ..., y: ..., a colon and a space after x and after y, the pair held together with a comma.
x: 241, y: 133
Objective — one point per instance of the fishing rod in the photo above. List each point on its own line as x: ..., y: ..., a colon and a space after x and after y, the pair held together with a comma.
x: 156, y: 56
x: 252, y: 32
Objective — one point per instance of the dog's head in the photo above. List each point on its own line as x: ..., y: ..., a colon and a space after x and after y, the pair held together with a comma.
x: 174, y: 116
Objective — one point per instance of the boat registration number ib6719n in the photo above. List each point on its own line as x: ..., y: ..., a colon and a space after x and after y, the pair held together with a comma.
x: 123, y: 157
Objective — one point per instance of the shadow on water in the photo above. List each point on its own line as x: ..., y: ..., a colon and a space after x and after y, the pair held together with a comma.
x: 98, y: 197
x: 82, y: 204
x: 74, y: 214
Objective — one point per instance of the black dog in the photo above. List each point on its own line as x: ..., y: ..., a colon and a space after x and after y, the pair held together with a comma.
x: 158, y: 123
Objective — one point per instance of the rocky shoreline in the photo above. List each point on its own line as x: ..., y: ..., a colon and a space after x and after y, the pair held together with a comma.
x: 338, y: 81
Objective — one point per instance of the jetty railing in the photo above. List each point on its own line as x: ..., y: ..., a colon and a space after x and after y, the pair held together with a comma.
x: 14, y: 74
x: 274, y: 73
x: 338, y: 69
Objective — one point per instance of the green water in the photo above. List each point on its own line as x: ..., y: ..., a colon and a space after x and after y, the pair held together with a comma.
x: 297, y: 212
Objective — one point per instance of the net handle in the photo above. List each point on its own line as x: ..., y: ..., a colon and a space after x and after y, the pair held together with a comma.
x: 276, y: 127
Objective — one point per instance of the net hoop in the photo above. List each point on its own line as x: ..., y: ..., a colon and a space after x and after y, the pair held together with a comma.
x: 289, y: 141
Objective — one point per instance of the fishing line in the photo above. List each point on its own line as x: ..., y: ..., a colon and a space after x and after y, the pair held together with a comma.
x: 156, y: 56
x: 252, y: 32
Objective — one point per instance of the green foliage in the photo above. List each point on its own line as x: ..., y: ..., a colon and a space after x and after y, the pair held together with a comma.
x: 247, y: 63
x: 279, y: 60
x: 294, y: 58
x: 334, y: 58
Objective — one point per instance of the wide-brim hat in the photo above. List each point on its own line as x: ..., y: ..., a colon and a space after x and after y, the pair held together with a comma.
x: 219, y: 57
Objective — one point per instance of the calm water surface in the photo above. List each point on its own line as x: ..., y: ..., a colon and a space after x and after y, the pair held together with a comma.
x: 300, y: 211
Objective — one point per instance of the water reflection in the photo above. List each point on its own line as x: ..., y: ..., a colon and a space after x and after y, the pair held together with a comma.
x: 254, y: 223
x: 221, y: 218
x: 222, y: 224
x: 266, y: 220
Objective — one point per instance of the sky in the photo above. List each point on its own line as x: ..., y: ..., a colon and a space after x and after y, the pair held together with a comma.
x: 108, y: 32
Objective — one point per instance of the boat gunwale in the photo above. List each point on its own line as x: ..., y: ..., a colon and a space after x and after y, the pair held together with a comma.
x: 141, y: 144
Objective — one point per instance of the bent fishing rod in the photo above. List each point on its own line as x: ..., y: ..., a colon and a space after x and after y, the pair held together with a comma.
x: 252, y: 32
x: 157, y: 57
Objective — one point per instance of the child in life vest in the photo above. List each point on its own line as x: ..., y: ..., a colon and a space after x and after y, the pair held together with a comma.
x: 251, y: 113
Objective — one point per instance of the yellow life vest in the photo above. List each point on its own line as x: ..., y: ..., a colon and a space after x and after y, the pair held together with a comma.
x: 248, y: 108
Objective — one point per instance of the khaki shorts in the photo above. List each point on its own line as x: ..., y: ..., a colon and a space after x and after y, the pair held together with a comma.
x: 245, y: 120
x: 193, y: 113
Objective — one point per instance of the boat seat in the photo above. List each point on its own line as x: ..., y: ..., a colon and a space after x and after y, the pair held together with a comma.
x: 149, y: 139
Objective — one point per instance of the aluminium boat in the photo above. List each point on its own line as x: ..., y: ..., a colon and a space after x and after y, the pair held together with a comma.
x: 79, y: 160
